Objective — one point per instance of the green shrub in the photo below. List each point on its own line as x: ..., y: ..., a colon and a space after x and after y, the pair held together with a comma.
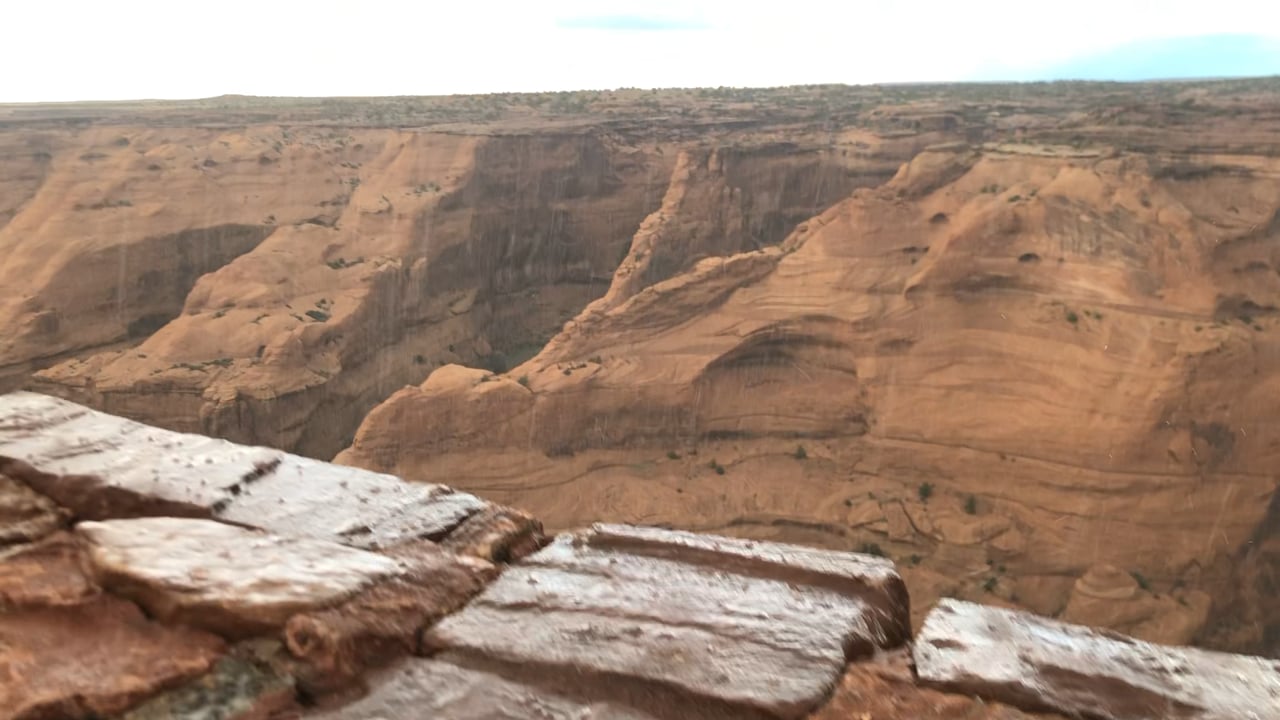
x: 925, y: 491
x: 317, y: 315
x: 971, y: 505
x: 673, y: 455
x: 524, y: 380
x: 800, y: 453
x: 871, y: 549
x: 1072, y: 317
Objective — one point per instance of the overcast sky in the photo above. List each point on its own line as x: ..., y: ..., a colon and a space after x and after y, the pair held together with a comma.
x: 120, y: 49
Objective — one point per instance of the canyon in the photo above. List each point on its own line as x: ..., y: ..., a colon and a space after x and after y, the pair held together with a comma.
x: 1020, y: 339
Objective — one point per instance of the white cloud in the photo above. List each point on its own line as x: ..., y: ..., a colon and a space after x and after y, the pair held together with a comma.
x: 98, y: 49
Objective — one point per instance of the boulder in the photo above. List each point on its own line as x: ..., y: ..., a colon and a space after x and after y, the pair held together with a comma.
x: 1107, y: 597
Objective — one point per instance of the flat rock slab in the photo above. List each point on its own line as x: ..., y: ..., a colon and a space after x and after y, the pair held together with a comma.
x: 103, y: 467
x: 92, y: 660
x: 421, y: 689
x: 1042, y: 664
x: 681, y: 625
x: 232, y: 580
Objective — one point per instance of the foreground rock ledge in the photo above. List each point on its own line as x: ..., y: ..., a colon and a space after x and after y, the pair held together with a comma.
x: 231, y: 580
x: 353, y: 573
x: 1041, y: 664
x: 674, y: 624
x: 103, y: 467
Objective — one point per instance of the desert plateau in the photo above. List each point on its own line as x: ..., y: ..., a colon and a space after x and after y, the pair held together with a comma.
x: 882, y: 401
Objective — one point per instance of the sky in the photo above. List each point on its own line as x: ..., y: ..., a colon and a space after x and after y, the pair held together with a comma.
x: 58, y: 50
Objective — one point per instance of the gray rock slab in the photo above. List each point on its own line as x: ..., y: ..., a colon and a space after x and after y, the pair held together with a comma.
x: 1041, y: 664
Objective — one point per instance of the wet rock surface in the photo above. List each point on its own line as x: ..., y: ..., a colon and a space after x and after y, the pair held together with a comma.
x: 104, y: 467
x: 369, y: 597
x: 92, y: 660
x: 430, y: 688
x: 683, y: 625
x: 1034, y: 662
x: 232, y: 580
x: 48, y: 573
x: 384, y: 620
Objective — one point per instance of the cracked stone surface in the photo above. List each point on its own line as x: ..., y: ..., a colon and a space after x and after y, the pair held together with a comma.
x: 105, y: 467
x: 669, y: 622
x: 1037, y: 663
x: 232, y: 580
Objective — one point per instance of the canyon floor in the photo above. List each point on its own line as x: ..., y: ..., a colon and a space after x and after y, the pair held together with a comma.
x: 1021, y: 339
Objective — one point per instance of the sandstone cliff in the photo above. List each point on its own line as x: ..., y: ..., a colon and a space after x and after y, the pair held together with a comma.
x: 251, y: 279
x: 1020, y: 338
x: 1018, y: 368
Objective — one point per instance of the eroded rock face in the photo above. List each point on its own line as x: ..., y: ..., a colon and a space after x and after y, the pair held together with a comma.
x: 383, y: 621
x: 49, y: 573
x: 92, y: 660
x: 1085, y: 291
x: 326, y: 265
x: 681, y: 625
x: 1038, y: 663
x: 25, y: 515
x: 231, y: 580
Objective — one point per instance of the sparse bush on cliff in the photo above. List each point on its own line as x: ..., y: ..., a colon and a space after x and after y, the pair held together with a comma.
x: 925, y: 491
